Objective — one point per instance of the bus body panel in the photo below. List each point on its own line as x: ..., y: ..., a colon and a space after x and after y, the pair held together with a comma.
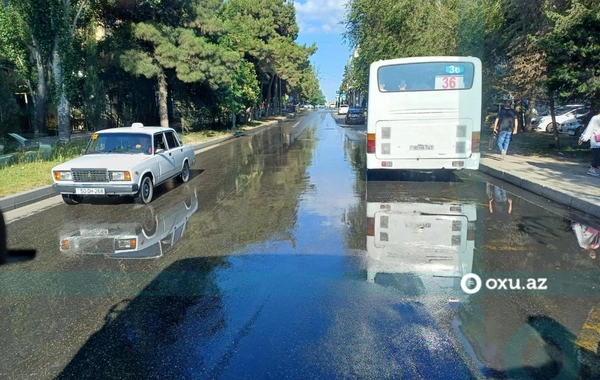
x: 426, y: 128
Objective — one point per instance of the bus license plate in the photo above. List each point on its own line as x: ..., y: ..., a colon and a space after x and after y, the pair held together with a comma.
x: 88, y: 191
x: 421, y: 147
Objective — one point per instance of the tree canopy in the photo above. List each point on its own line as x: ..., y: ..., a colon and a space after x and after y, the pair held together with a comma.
x: 530, y: 48
x: 189, y: 61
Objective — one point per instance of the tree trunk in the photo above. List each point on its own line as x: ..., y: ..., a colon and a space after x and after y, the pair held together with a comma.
x: 270, y: 96
x: 63, y: 106
x: 554, y: 126
x: 163, y: 111
x: 40, y: 97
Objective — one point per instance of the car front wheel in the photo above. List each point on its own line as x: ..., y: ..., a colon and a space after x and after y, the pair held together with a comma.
x: 549, y: 128
x: 71, y: 199
x: 184, y: 176
x: 144, y: 195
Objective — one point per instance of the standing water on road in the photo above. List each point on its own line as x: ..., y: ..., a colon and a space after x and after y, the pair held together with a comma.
x: 278, y: 260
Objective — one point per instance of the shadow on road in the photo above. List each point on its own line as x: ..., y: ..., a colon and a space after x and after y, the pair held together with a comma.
x: 412, y: 176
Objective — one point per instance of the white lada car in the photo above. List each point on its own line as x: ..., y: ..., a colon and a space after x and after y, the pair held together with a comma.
x: 125, y: 161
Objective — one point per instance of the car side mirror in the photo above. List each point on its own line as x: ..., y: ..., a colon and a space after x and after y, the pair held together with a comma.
x: 159, y: 151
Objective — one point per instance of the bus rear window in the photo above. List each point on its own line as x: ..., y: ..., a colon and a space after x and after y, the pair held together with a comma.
x: 431, y: 76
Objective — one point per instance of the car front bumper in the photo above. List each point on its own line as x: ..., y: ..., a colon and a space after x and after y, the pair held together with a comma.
x: 109, y: 189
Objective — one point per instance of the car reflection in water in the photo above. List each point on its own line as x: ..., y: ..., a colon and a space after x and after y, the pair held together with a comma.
x: 423, y: 247
x: 148, y: 234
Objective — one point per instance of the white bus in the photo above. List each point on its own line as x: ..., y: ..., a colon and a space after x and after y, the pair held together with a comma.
x: 424, y: 113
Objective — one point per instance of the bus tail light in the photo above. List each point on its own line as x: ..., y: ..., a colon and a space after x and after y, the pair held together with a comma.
x: 371, y: 143
x: 370, y: 226
x: 475, y: 137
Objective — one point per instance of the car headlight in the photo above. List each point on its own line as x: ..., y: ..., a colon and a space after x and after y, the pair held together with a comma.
x: 63, y: 175
x: 121, y: 244
x: 120, y: 176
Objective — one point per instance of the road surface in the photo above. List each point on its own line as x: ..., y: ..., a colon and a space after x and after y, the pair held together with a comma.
x: 279, y: 261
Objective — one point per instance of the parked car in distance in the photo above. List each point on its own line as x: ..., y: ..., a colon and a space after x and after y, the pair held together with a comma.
x: 343, y: 109
x: 562, y: 115
x: 575, y: 125
x: 15, y: 147
x: 128, y: 161
x: 355, y: 116
x: 13, y: 142
x: 572, y: 127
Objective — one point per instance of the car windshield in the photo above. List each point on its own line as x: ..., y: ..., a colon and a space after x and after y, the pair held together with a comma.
x: 124, y: 143
x: 19, y: 138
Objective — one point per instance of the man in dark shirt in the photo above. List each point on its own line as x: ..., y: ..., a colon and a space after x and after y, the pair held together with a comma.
x: 506, y: 125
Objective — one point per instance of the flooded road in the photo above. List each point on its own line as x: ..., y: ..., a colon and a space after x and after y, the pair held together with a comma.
x: 278, y: 260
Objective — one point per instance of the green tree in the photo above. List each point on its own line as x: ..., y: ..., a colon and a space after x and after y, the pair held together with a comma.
x: 264, y: 31
x: 573, y: 51
x: 20, y: 43
x: 9, y: 109
x: 189, y: 48
x: 94, y: 97
x: 386, y: 29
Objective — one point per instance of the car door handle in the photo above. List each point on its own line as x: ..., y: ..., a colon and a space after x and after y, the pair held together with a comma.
x: 169, y: 154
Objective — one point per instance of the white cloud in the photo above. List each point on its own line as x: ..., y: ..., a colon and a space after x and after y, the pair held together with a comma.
x: 318, y: 16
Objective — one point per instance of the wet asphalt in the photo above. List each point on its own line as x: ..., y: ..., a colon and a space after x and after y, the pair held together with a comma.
x: 278, y: 260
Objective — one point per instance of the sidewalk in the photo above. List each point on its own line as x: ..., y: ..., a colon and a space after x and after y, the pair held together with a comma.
x: 555, y: 178
x: 25, y: 198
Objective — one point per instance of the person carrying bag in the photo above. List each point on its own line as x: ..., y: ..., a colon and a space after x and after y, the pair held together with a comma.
x: 592, y: 134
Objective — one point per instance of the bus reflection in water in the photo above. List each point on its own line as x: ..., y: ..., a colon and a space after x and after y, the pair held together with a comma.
x: 430, y: 245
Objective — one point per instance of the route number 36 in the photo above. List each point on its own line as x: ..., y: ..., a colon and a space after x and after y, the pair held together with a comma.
x: 448, y: 82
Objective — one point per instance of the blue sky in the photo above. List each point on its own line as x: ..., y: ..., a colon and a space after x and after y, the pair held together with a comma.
x: 319, y: 22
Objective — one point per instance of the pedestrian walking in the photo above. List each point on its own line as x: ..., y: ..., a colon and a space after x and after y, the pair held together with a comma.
x: 592, y: 133
x: 505, y: 126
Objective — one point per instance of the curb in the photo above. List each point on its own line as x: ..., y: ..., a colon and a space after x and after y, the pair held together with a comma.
x: 28, y: 197
x: 207, y: 144
x: 546, y: 192
x: 25, y: 198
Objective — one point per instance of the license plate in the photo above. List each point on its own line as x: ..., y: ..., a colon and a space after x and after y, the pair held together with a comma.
x: 421, y: 147
x: 93, y: 191
x: 93, y: 231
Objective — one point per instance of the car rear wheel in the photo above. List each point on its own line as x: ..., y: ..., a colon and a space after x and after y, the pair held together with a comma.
x: 71, y: 199
x: 144, y: 195
x: 184, y: 176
